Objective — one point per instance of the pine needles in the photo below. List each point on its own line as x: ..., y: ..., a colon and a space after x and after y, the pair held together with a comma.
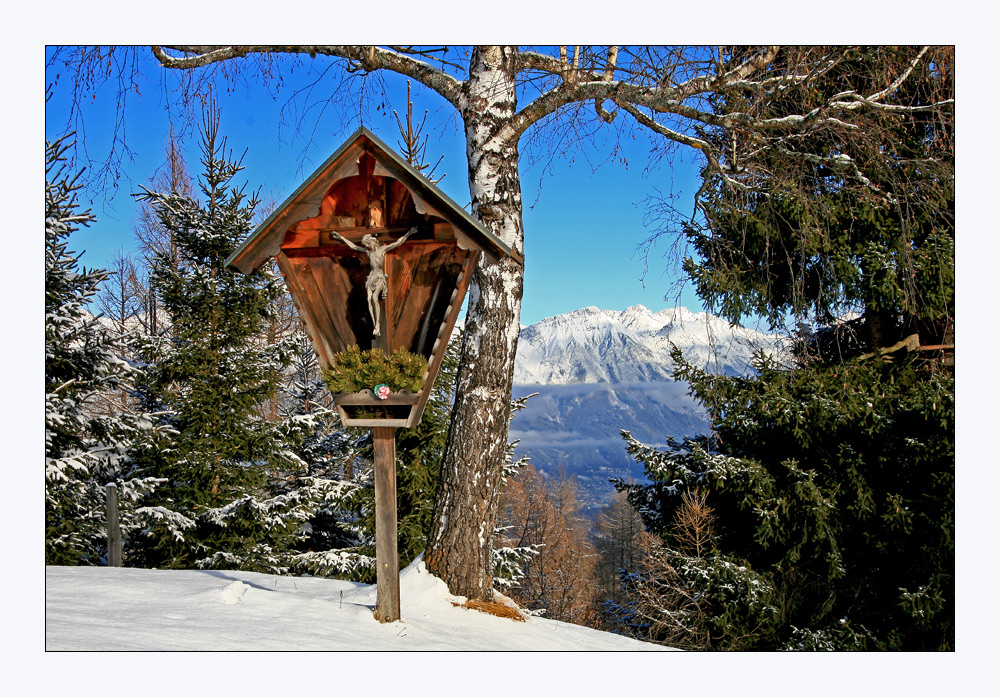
x: 354, y: 370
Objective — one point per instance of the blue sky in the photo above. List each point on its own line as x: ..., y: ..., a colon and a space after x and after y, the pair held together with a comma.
x: 583, y: 220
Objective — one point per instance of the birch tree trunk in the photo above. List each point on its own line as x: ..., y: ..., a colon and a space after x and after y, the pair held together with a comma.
x: 466, y: 507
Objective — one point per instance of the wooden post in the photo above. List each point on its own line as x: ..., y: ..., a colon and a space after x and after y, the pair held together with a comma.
x: 386, y: 552
x: 114, y: 531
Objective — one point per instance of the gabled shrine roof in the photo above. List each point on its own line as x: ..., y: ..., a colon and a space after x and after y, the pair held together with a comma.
x: 265, y: 242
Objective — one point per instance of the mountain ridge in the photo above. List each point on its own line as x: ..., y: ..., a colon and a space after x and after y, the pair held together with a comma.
x: 591, y: 345
x: 598, y: 371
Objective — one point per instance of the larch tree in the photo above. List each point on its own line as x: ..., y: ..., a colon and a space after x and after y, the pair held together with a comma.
x: 615, y: 538
x: 683, y: 591
x: 557, y: 97
x: 558, y: 578
x: 118, y: 301
x: 153, y: 241
x: 118, y: 304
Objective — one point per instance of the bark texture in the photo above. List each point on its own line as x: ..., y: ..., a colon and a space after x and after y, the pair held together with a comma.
x: 466, y: 508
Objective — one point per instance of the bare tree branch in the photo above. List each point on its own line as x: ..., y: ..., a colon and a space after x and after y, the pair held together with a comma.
x: 366, y: 58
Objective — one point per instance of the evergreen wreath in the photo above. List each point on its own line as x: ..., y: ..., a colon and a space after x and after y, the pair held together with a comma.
x: 354, y: 370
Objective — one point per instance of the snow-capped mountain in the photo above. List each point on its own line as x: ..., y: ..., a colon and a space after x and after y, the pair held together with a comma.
x: 605, y: 346
x: 599, y: 371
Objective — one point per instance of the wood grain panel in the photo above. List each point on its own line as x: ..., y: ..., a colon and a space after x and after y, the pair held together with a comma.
x: 413, y: 276
x: 335, y: 287
x: 313, y: 327
x: 468, y: 260
x: 313, y: 296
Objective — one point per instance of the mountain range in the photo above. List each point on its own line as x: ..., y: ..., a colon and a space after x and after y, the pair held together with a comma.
x: 597, y: 371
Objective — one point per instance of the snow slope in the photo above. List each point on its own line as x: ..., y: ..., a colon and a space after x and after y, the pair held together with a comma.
x: 115, y: 609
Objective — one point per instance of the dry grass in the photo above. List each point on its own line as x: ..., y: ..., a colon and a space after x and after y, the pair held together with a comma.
x: 491, y: 608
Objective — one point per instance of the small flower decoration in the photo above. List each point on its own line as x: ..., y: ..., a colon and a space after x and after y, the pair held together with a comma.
x: 382, y: 391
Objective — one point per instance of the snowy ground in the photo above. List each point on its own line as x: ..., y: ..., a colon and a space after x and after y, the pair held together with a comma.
x: 228, y: 622
x: 112, y: 609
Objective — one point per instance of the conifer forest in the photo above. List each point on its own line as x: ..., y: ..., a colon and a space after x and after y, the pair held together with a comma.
x: 817, y: 510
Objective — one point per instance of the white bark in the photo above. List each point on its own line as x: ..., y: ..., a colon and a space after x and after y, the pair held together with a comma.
x: 476, y: 451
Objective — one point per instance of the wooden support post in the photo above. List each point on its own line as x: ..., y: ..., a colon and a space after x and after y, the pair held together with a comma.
x: 386, y: 552
x: 114, y: 531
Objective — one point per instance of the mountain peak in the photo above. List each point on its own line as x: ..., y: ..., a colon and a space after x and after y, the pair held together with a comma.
x: 636, y: 310
x: 682, y: 314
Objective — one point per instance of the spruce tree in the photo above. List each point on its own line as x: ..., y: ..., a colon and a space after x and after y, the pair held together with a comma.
x: 209, y: 376
x: 419, y: 453
x: 334, y: 468
x: 830, y: 472
x: 801, y: 242
x: 836, y: 483
x: 84, y: 450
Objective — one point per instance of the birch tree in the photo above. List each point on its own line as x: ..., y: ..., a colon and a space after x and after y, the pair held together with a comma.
x: 549, y: 99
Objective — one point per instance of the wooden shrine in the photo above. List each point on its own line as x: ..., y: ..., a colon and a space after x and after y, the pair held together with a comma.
x: 374, y: 256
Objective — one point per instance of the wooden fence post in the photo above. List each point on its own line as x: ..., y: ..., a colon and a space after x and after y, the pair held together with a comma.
x: 114, y: 531
x: 386, y: 552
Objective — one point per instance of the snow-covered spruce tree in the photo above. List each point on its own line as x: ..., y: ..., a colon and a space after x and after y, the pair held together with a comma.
x: 339, y: 539
x: 212, y: 375
x: 83, y: 451
x: 334, y: 469
x: 835, y: 482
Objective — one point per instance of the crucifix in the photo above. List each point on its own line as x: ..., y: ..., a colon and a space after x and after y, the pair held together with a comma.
x: 377, y: 284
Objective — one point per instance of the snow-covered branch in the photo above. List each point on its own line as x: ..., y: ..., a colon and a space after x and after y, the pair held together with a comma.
x: 839, y: 163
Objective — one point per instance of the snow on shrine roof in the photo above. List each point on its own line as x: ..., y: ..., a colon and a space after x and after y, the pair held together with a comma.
x: 265, y: 242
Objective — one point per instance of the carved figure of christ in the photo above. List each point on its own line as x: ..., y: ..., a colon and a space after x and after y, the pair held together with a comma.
x: 377, y: 283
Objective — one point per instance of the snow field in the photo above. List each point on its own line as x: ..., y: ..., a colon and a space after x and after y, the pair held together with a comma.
x: 119, y: 609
